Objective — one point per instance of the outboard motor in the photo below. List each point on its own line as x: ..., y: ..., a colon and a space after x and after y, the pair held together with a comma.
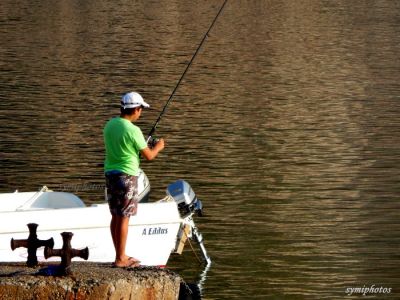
x: 188, y: 204
x: 186, y: 199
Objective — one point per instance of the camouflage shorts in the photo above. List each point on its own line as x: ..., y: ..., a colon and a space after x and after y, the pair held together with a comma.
x: 122, y: 194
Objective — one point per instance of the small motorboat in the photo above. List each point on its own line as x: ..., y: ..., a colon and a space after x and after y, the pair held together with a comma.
x: 155, y: 232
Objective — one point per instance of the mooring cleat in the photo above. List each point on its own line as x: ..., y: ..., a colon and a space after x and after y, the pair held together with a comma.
x: 66, y: 253
x: 32, y: 243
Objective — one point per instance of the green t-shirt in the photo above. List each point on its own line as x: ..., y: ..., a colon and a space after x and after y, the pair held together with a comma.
x: 123, y: 142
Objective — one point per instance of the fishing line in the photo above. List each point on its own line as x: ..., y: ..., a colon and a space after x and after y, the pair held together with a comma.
x: 153, y: 129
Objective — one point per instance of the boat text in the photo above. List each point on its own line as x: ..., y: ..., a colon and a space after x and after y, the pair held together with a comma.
x: 154, y: 231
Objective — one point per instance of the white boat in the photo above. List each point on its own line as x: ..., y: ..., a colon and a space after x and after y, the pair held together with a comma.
x: 157, y: 230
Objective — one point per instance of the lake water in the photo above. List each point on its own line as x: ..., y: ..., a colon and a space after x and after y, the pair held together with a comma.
x: 287, y: 127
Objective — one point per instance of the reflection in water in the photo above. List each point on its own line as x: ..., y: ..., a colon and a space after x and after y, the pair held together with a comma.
x: 202, y: 278
x: 195, y: 290
x: 286, y: 126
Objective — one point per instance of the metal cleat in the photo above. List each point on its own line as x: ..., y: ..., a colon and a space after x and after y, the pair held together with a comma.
x: 66, y: 253
x: 32, y: 243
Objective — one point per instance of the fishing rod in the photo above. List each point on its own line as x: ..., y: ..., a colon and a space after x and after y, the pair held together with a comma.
x: 153, y: 129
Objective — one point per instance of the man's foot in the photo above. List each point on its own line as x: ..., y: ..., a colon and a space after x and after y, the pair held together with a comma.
x: 130, y: 262
x: 134, y: 259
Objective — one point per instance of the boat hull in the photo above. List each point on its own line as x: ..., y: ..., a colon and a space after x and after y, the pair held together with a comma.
x: 151, y: 239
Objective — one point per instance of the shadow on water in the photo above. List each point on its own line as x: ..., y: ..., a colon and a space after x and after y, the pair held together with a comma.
x: 194, y: 288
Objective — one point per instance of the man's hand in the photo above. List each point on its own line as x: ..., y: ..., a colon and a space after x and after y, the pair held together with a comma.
x: 160, y: 144
x: 151, y: 153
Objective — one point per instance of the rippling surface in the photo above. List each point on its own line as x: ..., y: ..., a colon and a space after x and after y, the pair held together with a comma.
x: 287, y: 127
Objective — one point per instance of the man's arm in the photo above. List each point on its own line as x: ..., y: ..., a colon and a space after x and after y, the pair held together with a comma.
x: 151, y: 153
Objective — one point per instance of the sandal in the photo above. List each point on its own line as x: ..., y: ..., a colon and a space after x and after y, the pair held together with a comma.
x: 134, y: 259
x: 131, y: 263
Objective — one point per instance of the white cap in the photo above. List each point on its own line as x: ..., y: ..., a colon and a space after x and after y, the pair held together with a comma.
x: 132, y: 100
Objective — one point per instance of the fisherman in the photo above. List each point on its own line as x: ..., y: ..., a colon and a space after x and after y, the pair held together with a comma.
x: 124, y: 142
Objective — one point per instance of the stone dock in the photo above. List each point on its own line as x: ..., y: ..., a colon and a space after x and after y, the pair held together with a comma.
x: 92, y: 281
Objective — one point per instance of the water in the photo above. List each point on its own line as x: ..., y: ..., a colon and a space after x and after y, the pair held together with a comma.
x: 286, y: 126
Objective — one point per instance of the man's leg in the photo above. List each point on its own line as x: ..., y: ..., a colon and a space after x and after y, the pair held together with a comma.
x: 121, y: 235
x: 122, y: 208
x: 113, y: 225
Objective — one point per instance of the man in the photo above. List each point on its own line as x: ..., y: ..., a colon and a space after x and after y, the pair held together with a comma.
x: 124, y: 142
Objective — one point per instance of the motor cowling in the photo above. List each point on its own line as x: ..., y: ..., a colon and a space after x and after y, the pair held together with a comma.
x: 185, y: 197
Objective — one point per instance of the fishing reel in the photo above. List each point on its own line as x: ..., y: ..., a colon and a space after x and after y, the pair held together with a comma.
x: 152, y: 141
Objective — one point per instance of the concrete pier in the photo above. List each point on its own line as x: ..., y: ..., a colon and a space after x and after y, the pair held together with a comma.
x: 92, y: 281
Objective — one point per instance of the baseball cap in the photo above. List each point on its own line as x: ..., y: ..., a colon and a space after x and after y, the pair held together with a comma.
x: 132, y: 100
